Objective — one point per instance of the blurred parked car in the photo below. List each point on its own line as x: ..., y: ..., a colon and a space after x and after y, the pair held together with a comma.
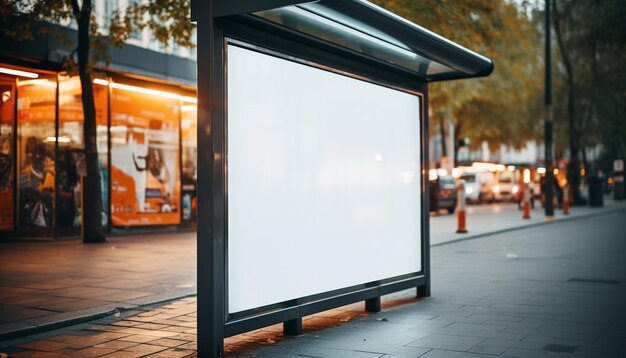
x: 478, y: 187
x: 505, y: 188
x: 442, y: 194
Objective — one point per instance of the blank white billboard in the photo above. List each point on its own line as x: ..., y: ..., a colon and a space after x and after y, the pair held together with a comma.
x: 323, y: 180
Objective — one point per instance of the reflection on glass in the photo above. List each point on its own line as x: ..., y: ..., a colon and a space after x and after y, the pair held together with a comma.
x: 71, y: 159
x: 189, y: 129
x: 7, y: 105
x: 35, y: 153
x: 145, y: 172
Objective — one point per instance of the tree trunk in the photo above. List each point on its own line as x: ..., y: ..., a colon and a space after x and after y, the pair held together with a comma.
x: 457, y: 130
x: 573, y: 170
x: 92, y: 229
x: 442, y: 133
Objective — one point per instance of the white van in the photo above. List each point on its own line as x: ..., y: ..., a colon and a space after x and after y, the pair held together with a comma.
x: 505, y: 187
x: 478, y: 186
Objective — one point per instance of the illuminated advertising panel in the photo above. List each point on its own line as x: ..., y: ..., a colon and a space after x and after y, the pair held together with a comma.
x: 145, y: 174
x: 323, y: 181
x: 35, y: 148
x: 71, y: 158
x: 7, y: 107
x: 189, y: 137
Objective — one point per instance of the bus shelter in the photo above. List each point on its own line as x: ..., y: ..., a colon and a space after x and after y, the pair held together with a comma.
x: 312, y: 158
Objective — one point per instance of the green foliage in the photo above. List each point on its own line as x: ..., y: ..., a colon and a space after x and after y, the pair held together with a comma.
x: 167, y: 20
x: 591, y: 40
x: 505, y: 107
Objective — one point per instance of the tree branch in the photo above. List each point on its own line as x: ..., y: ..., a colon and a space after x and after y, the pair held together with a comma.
x: 75, y: 8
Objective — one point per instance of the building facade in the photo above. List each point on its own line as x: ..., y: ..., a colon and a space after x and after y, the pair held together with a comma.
x: 146, y: 138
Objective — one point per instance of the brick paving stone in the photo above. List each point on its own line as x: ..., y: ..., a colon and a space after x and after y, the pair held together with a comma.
x: 168, y: 342
x: 156, y: 326
x: 174, y: 353
x: 44, y: 346
x: 138, y: 338
x: 146, y: 349
x: 91, y: 352
x: 116, y: 344
x: 124, y: 354
x: 37, y: 354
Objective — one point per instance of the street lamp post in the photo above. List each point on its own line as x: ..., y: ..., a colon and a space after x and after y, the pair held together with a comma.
x: 548, y: 124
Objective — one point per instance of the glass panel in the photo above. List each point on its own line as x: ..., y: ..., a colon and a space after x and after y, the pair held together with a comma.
x: 7, y: 110
x: 35, y: 154
x: 189, y: 134
x: 71, y: 159
x: 145, y: 172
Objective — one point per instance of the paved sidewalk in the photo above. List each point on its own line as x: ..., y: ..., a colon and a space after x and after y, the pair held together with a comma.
x: 43, y: 284
x: 488, y: 219
x: 550, y: 291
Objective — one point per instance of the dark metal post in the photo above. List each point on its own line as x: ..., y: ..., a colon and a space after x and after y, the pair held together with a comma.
x: 211, y: 211
x: 424, y: 291
x: 372, y: 304
x: 618, y: 164
x: 293, y: 327
x: 548, y: 124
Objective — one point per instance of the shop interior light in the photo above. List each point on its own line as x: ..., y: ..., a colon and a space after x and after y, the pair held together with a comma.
x: 10, y: 71
x: 101, y: 82
x: 189, y: 108
x: 189, y: 99
x: 141, y: 90
x: 61, y: 139
x: 526, y: 176
x: 541, y: 170
x: 39, y: 82
x: 144, y: 90
x: 556, y: 171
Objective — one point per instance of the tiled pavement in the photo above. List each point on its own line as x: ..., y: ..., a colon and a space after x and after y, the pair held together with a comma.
x: 43, y: 283
x: 549, y: 291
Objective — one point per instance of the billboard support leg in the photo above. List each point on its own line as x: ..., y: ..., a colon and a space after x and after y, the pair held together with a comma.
x: 372, y: 304
x: 293, y: 327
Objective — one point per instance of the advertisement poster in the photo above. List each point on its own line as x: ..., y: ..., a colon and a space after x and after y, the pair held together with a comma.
x: 145, y: 174
x: 7, y: 105
x: 189, y: 136
x: 35, y: 149
x: 71, y: 159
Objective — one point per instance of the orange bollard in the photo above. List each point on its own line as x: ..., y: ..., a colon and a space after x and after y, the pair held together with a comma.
x: 566, y: 200
x: 460, y: 208
x: 526, y: 202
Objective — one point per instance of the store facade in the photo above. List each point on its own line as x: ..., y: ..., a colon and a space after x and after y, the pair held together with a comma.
x: 146, y: 138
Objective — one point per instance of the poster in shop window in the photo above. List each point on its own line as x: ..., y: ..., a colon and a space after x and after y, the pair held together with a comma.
x: 36, y: 107
x: 6, y: 155
x: 145, y: 174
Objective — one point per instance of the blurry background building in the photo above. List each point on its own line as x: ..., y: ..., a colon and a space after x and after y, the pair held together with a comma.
x: 146, y: 124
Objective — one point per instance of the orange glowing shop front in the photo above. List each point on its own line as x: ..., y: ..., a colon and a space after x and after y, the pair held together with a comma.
x: 146, y: 139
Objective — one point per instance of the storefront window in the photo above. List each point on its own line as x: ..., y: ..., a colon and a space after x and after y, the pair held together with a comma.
x: 71, y: 159
x: 189, y: 137
x: 7, y: 110
x: 35, y: 155
x: 145, y: 171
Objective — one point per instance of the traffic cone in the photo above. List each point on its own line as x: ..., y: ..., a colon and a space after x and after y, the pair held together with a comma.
x: 460, y: 208
x: 566, y: 200
x: 526, y: 202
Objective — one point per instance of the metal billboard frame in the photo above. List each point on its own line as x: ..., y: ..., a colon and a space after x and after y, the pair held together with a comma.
x: 222, y: 21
